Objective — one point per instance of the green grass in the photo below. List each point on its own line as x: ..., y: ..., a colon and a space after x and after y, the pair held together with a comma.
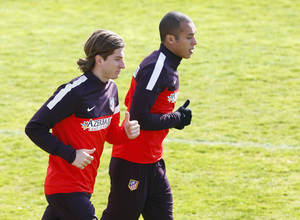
x: 240, y: 157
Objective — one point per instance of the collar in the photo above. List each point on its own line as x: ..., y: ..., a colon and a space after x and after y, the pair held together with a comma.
x: 90, y: 75
x: 175, y: 60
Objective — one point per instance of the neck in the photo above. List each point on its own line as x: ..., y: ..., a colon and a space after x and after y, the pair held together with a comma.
x: 96, y: 71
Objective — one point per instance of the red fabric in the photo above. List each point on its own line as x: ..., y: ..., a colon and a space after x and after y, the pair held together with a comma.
x: 81, y: 133
x: 148, y: 146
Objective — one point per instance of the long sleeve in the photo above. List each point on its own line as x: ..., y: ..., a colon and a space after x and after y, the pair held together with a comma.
x: 148, y: 120
x: 148, y: 106
x: 53, y: 111
x: 116, y: 134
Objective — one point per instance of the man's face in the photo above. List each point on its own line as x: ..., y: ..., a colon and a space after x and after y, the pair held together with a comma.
x: 184, y: 46
x: 111, y: 67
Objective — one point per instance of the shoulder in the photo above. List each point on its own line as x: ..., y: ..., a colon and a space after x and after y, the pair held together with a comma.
x: 71, y: 85
x: 78, y: 80
x: 152, y: 64
x: 75, y: 83
x: 152, y: 59
x: 78, y: 85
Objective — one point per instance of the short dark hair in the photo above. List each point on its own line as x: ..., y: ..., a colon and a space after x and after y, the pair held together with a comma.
x: 102, y: 42
x: 170, y: 24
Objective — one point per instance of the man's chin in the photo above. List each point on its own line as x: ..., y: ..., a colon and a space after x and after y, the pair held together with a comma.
x: 116, y: 77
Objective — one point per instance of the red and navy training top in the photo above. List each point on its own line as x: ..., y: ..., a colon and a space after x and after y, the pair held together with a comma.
x: 151, y: 100
x: 83, y: 113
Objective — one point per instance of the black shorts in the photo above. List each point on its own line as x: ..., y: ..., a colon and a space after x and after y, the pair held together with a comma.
x: 67, y: 206
x: 138, y: 189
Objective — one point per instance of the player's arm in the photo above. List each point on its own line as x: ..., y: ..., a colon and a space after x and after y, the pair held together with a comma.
x: 142, y: 102
x: 53, y: 111
x: 140, y: 111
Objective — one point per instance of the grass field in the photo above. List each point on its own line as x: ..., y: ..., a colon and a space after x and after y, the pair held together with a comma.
x: 239, y: 159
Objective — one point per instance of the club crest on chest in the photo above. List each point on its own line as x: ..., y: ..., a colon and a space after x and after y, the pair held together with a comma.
x: 112, y: 104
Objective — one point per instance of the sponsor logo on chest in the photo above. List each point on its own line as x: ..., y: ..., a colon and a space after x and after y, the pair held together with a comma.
x: 99, y: 124
x: 96, y: 125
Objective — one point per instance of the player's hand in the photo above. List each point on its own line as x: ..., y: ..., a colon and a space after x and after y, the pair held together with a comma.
x: 83, y: 158
x: 185, y: 115
x: 132, y: 128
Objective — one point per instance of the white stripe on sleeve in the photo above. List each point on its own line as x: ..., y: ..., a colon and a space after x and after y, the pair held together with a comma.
x: 156, y: 72
x: 117, y: 109
x: 65, y: 91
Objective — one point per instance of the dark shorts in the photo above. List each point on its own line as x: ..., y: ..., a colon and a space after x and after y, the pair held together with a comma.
x: 138, y: 189
x: 67, y: 206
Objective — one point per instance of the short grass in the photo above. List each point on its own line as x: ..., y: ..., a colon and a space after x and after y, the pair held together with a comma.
x: 240, y: 157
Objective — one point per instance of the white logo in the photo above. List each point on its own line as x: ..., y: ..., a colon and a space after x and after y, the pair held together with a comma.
x: 96, y: 125
x: 173, y: 97
x: 90, y: 109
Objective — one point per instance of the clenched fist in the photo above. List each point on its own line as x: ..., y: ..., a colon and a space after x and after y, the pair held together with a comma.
x: 83, y: 158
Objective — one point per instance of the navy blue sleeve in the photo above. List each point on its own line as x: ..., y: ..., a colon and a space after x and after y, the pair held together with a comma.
x: 38, y: 128
x: 142, y: 102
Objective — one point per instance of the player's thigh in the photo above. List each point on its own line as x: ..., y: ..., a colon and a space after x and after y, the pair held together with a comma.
x: 72, y: 205
x: 129, y: 182
x: 80, y: 205
x: 128, y: 190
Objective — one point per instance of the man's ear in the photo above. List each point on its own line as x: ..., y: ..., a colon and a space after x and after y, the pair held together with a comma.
x: 170, y: 39
x: 99, y: 59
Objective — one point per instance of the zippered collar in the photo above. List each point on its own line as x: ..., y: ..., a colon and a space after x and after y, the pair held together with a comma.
x: 174, y: 59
